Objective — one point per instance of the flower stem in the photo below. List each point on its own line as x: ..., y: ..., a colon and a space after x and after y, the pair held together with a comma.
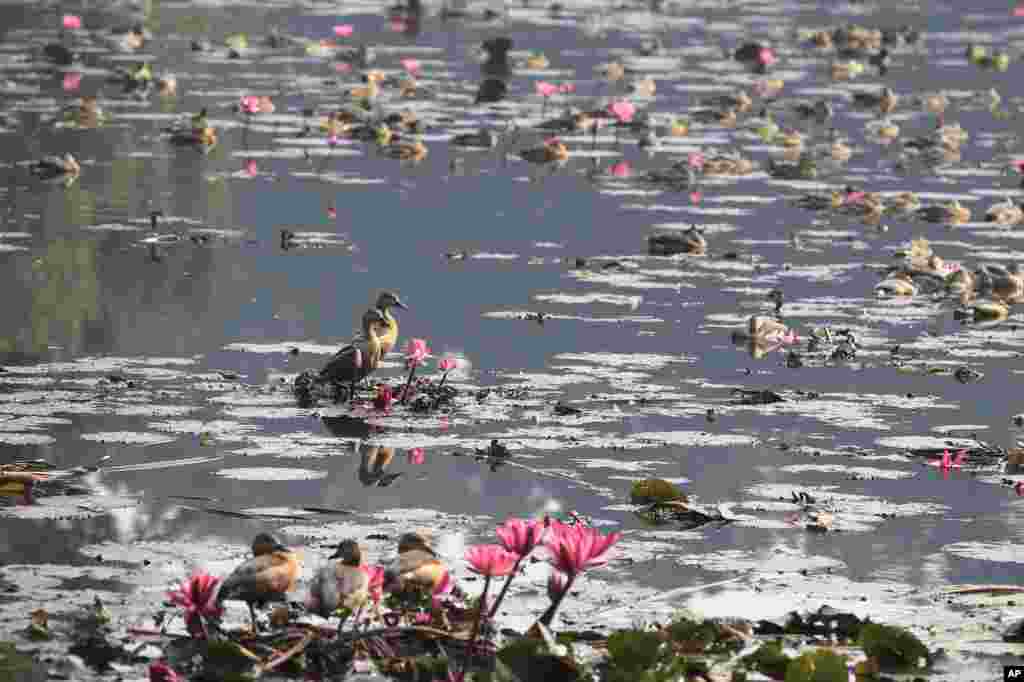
x: 549, y: 615
x: 504, y: 588
x: 408, y: 383
x: 437, y: 398
x: 476, y: 624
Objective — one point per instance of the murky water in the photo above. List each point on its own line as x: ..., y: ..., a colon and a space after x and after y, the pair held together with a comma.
x: 640, y: 343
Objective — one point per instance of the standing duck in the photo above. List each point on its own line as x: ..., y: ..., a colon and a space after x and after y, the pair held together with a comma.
x: 267, y: 576
x: 359, y: 359
x: 340, y: 583
x: 387, y: 333
x: 417, y: 566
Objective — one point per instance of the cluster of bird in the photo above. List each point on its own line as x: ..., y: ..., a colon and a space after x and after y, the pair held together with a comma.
x: 358, y: 360
x: 342, y: 582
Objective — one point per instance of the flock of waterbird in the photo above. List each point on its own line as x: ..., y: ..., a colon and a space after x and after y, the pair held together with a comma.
x: 366, y: 115
x: 343, y: 582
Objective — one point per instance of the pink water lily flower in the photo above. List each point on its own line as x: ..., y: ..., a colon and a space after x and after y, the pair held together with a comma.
x: 577, y: 548
x: 250, y: 167
x: 545, y: 89
x: 376, y: 586
x: 695, y: 160
x: 623, y: 110
x: 71, y: 22
x: 344, y: 30
x: 398, y: 25
x: 249, y: 104
x: 948, y: 461
x: 198, y: 596
x: 417, y: 456
x: 447, y: 364
x: 766, y: 56
x: 622, y: 169
x: 521, y: 536
x: 412, y: 66
x: 695, y: 197
x: 567, y: 87
x: 161, y: 672
x: 415, y: 352
x: 72, y: 80
x: 490, y: 560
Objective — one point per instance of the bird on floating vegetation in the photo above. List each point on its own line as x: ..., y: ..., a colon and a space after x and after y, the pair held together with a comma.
x: 267, y: 576
x: 356, y: 361
x: 341, y: 583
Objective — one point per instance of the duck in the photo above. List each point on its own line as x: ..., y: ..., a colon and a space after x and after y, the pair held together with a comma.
x: 552, y: 151
x: 740, y: 101
x: 728, y: 165
x: 205, y: 137
x: 359, y: 359
x: 1008, y: 285
x: 839, y: 151
x: 725, y: 118
x: 613, y: 72
x: 669, y: 243
x: 867, y: 205
x: 15, y: 480
x: 679, y: 127
x: 341, y: 583
x: 885, y: 101
x: 644, y: 87
x: 88, y: 113
x: 790, y: 138
x: 1004, y: 213
x: 935, y: 103
x: 821, y: 202
x: 491, y: 90
x: 167, y: 85
x: 887, y: 130
x: 952, y: 213
x: 961, y: 281
x: 406, y: 151
x: 417, y: 566
x: 900, y: 284
x: 765, y: 329
x: 805, y: 168
x: 128, y: 40
x: 905, y: 202
x: 482, y: 139
x: 53, y: 167
x: 495, y: 54
x: 387, y: 333
x: 373, y: 79
x: 405, y: 120
x: 536, y: 60
x: 990, y: 311
x: 819, y: 111
x: 268, y: 576
x: 844, y: 71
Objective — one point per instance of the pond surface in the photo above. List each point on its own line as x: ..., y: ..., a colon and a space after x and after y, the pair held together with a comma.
x: 205, y: 321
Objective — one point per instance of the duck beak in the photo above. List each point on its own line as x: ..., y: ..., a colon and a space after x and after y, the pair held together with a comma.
x: 337, y: 555
x: 278, y: 547
x: 399, y: 304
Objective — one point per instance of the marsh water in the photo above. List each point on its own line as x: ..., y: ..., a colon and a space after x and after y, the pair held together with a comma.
x: 206, y: 321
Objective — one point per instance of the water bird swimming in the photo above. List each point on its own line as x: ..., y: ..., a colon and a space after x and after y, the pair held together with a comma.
x: 53, y: 167
x: 356, y: 361
x: 494, y: 52
x: 900, y: 284
x: 267, y: 576
x: 1004, y: 213
x: 952, y: 213
x: 406, y: 151
x: 340, y: 583
x: 552, y: 151
x: 491, y: 90
x: 482, y: 139
x: 670, y: 242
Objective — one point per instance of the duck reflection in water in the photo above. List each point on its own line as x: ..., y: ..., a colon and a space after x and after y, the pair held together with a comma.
x: 374, y: 461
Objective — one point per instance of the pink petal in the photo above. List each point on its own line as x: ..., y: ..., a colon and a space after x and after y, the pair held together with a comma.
x: 344, y: 30
x: 72, y: 22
